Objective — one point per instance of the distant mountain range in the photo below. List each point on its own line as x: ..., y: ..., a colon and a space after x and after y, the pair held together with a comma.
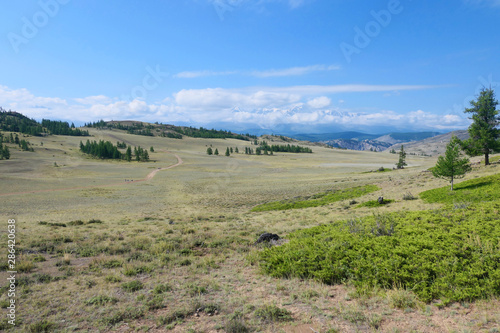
x: 362, y: 141
x: 433, y: 146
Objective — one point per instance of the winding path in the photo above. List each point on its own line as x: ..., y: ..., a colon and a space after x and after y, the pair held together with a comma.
x: 150, y: 176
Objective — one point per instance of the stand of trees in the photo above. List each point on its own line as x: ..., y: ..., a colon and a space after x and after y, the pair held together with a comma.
x: 15, y: 122
x: 4, y: 152
x: 101, y: 149
x: 63, y: 128
x: 212, y: 133
x: 106, y: 150
x: 264, y: 146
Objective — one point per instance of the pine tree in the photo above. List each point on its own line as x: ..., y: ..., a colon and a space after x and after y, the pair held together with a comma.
x: 227, y: 152
x: 216, y: 151
x: 151, y: 149
x: 128, y: 154
x: 484, y: 134
x: 231, y: 150
x: 6, y: 152
x: 402, y: 159
x: 209, y: 151
x: 236, y: 150
x: 451, y: 166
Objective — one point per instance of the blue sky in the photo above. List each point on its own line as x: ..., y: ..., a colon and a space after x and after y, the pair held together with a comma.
x: 259, y: 65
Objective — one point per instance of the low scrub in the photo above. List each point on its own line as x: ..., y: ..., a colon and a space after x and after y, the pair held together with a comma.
x: 452, y: 255
x: 316, y: 200
x: 375, y: 203
x: 473, y: 190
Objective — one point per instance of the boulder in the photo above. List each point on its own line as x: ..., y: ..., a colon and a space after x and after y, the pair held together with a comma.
x: 267, y: 237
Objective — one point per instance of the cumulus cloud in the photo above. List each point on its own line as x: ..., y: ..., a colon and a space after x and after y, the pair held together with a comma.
x: 264, y: 107
x: 319, y: 102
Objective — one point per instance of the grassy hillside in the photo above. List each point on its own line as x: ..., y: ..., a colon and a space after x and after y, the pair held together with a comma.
x: 169, y: 245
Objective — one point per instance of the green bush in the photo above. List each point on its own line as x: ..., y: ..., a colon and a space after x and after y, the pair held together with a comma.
x: 473, y: 190
x: 316, y: 200
x: 374, y: 203
x: 452, y: 255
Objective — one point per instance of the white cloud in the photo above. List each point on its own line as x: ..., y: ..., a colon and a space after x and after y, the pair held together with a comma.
x: 94, y: 100
x: 265, y: 107
x: 319, y: 102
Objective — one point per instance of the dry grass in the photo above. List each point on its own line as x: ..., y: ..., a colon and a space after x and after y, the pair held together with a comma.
x: 177, y: 252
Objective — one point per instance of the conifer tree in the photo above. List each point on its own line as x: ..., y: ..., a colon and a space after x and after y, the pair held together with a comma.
x: 209, y: 151
x: 484, y: 134
x: 451, y: 166
x: 128, y: 154
x: 236, y: 150
x: 402, y: 159
x: 216, y: 152
x: 227, y: 152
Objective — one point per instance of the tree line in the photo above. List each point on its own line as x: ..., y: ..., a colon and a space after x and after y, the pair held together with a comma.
x: 16, y: 122
x: 212, y: 133
x: 264, y: 146
x: 63, y: 128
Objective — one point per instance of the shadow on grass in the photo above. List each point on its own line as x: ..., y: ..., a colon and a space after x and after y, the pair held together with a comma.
x: 472, y: 186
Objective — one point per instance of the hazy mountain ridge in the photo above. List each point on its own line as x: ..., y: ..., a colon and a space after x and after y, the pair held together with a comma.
x: 432, y: 146
x: 362, y: 141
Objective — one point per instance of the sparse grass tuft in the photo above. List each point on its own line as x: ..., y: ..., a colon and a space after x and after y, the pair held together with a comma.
x: 402, y: 299
x: 161, y: 288
x: 101, y: 300
x: 132, y: 286
x: 272, y: 313
x: 41, y: 327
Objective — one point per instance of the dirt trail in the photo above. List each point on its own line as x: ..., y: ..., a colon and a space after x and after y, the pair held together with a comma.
x: 148, y: 177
